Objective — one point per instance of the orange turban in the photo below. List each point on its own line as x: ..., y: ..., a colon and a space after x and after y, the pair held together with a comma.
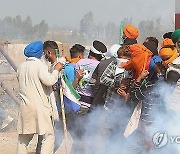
x: 166, y: 42
x: 140, y: 59
x: 173, y: 54
x: 131, y: 31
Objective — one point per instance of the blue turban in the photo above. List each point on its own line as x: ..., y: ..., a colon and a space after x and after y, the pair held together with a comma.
x: 155, y: 59
x: 34, y: 49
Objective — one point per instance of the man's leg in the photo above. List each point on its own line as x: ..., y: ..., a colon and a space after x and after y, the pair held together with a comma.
x: 23, y: 141
x: 46, y: 142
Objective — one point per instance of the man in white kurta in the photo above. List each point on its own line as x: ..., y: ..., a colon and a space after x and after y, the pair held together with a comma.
x: 36, y: 112
x: 50, y: 48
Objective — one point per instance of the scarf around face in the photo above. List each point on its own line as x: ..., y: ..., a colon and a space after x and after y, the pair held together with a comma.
x: 73, y: 60
x: 173, y: 54
x: 140, y: 59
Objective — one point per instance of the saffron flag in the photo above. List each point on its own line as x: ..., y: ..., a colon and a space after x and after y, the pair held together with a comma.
x: 71, y: 97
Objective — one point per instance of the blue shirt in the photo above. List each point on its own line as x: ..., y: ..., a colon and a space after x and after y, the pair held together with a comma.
x: 70, y: 72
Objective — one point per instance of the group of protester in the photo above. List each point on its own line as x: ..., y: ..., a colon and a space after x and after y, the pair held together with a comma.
x: 121, y: 77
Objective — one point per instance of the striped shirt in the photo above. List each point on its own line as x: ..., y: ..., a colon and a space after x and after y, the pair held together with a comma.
x: 148, y: 93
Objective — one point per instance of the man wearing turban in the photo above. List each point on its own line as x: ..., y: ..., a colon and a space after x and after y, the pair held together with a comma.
x: 130, y: 34
x: 176, y: 38
x: 168, y: 52
x: 131, y: 31
x: 140, y: 59
x: 35, y: 111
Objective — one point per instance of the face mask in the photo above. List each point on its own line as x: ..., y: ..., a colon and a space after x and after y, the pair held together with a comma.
x: 121, y: 60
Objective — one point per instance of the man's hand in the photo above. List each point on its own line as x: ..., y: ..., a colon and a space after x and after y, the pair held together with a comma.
x: 121, y: 92
x: 143, y: 75
x: 54, y: 87
x: 79, y: 74
x: 58, y: 67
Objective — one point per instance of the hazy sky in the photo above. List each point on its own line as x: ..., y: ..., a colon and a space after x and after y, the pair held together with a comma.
x: 177, y: 6
x: 70, y: 12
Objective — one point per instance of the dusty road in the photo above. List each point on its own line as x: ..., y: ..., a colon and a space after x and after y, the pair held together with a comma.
x: 8, y: 143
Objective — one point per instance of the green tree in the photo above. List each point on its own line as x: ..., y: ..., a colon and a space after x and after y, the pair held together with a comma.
x: 41, y: 29
x: 28, y: 28
x: 86, y: 24
x: 111, y: 33
x: 149, y: 28
x: 15, y: 28
x: 17, y: 25
x: 7, y: 27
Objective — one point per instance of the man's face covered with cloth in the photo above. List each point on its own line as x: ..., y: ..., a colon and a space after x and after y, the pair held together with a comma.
x: 140, y: 59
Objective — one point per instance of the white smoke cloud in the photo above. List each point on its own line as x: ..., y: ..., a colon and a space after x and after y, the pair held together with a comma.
x: 103, y: 130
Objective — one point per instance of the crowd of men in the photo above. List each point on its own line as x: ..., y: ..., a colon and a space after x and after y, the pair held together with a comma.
x: 116, y: 80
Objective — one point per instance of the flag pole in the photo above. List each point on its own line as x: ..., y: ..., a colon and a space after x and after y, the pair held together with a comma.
x: 64, y: 147
x: 121, y: 33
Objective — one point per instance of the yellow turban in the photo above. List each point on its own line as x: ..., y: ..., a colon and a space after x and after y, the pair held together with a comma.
x: 166, y: 42
x: 173, y: 54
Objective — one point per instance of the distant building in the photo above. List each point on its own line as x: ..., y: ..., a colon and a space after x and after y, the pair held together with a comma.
x: 177, y: 14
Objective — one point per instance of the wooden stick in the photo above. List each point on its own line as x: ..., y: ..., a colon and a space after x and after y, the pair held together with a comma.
x: 63, y: 118
x: 8, y: 58
x: 10, y: 93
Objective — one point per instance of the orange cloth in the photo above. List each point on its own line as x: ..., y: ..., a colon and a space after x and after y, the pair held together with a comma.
x: 140, y: 59
x: 73, y: 60
x: 173, y: 54
x: 131, y: 31
x: 166, y: 42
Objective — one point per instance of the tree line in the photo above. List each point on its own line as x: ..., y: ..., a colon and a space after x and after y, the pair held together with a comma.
x: 109, y: 33
x: 18, y: 29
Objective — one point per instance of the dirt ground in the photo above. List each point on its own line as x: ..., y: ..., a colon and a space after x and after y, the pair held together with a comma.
x: 8, y: 143
x: 8, y: 137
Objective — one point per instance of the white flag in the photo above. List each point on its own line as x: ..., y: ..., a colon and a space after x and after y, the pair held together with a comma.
x: 134, y: 120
